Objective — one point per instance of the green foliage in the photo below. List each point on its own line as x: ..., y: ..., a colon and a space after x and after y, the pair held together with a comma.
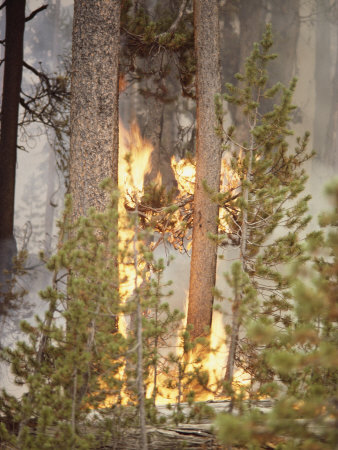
x: 12, y: 292
x: 262, y: 210
x: 80, y: 357
x: 305, y: 412
x: 148, y: 35
x: 75, y: 358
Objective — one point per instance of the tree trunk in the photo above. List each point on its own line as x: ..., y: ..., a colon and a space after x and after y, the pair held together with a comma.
x: 94, y: 115
x: 15, y: 25
x: 153, y: 131
x: 208, y: 163
x: 94, y: 102
x: 52, y: 167
x: 322, y: 78
x: 251, y: 15
x: 331, y: 147
x: 285, y: 28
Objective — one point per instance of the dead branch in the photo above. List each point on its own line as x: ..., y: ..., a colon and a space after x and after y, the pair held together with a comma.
x: 35, y: 12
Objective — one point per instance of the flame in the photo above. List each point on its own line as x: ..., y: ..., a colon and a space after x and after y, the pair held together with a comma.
x: 134, y: 164
x: 184, y: 171
x: 132, y: 143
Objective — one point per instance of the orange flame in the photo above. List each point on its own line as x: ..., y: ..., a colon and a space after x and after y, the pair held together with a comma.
x: 134, y: 164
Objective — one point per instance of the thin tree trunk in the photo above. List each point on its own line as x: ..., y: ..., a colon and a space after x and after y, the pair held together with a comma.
x: 94, y: 102
x: 52, y: 168
x: 251, y: 14
x: 139, y: 366
x: 168, y: 135
x: 74, y: 401
x: 15, y: 26
x: 236, y: 318
x: 208, y: 163
x: 331, y: 147
x: 285, y: 28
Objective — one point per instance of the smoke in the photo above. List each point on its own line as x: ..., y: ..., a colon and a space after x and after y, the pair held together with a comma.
x: 48, y: 37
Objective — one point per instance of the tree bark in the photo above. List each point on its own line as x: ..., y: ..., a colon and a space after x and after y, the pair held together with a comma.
x: 94, y: 102
x: 15, y: 26
x: 94, y: 118
x: 208, y: 163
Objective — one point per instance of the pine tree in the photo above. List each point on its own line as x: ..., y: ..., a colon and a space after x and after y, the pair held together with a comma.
x: 74, y: 359
x: 70, y: 361
x: 262, y: 211
x: 305, y: 357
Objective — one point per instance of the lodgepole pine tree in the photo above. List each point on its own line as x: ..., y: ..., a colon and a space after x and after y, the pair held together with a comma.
x: 208, y: 167
x: 304, y: 357
x: 15, y: 26
x: 71, y: 359
x: 263, y: 210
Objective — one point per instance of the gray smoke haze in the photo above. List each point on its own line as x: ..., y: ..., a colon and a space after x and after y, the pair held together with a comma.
x: 48, y: 39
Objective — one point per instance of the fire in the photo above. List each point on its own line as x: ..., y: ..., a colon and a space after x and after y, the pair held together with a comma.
x: 184, y: 171
x: 134, y: 164
x: 134, y: 158
x: 131, y: 176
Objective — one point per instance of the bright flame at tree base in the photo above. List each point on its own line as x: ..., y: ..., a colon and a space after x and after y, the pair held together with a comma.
x: 212, y: 360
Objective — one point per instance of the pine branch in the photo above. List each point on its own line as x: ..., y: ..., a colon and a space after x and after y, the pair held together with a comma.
x: 173, y: 27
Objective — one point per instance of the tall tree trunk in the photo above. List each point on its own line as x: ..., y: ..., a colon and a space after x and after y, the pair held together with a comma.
x: 94, y: 101
x: 52, y: 167
x: 94, y: 114
x: 331, y: 147
x: 251, y: 15
x: 15, y: 25
x: 208, y: 163
x: 158, y: 131
x: 285, y: 28
x: 139, y: 337
x: 169, y: 131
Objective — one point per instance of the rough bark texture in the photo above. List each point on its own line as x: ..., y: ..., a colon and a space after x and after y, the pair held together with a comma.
x: 94, y: 103
x: 208, y: 157
x: 15, y: 25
